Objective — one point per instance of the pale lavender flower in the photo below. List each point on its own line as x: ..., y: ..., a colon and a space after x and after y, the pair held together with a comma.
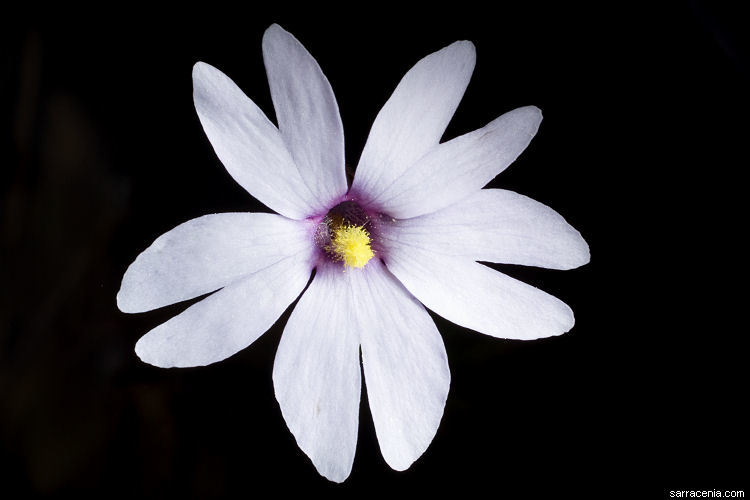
x: 406, y: 234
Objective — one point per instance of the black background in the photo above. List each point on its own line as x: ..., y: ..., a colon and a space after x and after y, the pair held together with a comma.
x: 640, y: 149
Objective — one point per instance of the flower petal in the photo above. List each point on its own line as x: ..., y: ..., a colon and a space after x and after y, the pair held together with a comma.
x: 405, y: 365
x: 316, y: 374
x: 455, y: 169
x: 307, y: 113
x: 477, y: 297
x: 204, y: 254
x: 495, y: 225
x: 415, y: 117
x: 227, y: 321
x: 249, y: 145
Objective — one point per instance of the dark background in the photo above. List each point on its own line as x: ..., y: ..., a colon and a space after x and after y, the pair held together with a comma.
x: 639, y: 149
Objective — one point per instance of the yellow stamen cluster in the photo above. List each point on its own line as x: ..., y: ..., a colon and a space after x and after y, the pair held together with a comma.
x: 352, y: 245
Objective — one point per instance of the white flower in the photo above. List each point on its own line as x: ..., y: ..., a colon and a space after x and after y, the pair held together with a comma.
x: 406, y: 234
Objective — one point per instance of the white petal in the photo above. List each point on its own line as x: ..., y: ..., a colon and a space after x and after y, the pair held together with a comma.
x: 494, y: 225
x: 227, y: 321
x: 477, y: 297
x: 455, y: 169
x: 316, y: 374
x: 249, y: 145
x: 307, y: 114
x: 406, y: 368
x: 415, y: 117
x: 204, y: 254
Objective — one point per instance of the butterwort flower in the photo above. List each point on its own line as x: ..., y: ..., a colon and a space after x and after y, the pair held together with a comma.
x: 407, y: 234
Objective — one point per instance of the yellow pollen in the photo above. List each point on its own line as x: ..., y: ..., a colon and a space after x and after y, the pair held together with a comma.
x: 352, y: 245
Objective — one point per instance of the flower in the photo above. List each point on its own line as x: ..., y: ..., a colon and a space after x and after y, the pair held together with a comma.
x: 406, y: 235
